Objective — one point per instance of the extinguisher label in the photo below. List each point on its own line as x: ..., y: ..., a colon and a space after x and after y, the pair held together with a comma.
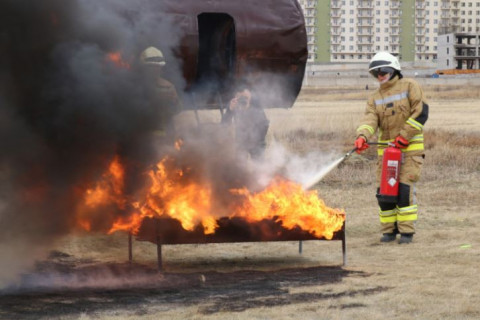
x: 392, y: 182
x: 392, y: 163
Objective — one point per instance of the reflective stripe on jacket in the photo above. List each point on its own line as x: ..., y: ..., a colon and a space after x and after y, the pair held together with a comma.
x: 396, y: 108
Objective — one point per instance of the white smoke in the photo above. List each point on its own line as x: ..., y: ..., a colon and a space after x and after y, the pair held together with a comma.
x: 298, y: 168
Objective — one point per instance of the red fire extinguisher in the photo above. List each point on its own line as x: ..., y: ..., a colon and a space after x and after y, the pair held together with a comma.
x: 392, y: 158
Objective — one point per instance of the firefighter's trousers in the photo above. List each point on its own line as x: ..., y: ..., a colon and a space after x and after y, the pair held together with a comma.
x: 400, y: 217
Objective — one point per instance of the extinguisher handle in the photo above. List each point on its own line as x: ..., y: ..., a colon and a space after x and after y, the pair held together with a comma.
x: 390, y: 144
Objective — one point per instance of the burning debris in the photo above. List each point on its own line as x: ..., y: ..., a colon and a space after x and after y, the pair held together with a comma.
x: 184, y: 191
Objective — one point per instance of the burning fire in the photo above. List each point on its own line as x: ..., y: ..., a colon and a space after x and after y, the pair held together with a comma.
x: 175, y: 194
x: 110, y: 188
x: 188, y: 202
x: 287, y: 202
x: 116, y: 58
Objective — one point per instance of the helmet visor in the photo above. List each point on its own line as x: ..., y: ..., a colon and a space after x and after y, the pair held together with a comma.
x: 381, y: 71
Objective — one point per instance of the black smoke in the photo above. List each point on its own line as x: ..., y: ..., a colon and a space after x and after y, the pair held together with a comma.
x: 66, y: 110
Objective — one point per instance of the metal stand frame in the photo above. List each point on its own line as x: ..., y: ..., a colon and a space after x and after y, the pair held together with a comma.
x: 300, y: 247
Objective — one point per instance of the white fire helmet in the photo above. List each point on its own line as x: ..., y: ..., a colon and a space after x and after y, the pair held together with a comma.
x: 384, y: 59
x: 152, y: 56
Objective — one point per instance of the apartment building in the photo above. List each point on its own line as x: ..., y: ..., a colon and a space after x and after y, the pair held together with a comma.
x: 354, y: 30
x: 310, y: 13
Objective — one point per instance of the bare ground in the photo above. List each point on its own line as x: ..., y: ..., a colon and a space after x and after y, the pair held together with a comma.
x: 435, y: 277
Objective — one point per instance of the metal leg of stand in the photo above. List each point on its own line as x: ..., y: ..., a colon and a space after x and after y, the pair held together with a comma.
x: 159, y: 255
x: 130, y: 251
x: 159, y: 247
x: 344, y: 249
x: 300, y: 247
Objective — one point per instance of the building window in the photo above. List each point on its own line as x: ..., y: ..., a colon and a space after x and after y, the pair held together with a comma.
x: 448, y: 62
x: 448, y: 50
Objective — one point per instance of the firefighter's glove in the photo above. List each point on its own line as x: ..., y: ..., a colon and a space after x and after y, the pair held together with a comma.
x: 361, y: 144
x: 401, y: 142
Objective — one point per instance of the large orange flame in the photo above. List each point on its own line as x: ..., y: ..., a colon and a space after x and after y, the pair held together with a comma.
x: 189, y: 203
x: 287, y: 202
x: 171, y: 194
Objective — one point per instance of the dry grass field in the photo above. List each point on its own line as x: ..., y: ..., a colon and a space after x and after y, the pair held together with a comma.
x: 435, y: 277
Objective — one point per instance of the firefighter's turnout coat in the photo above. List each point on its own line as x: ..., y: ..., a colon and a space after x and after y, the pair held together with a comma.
x: 397, y: 108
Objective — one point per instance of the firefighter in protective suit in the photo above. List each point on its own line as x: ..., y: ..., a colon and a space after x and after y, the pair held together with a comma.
x: 397, y: 111
x: 161, y: 93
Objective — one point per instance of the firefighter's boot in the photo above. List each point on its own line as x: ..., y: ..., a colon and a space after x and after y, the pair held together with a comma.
x: 388, y: 237
x: 405, y: 238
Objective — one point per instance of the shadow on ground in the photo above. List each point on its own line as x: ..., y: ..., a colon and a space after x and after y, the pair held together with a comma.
x: 63, y: 286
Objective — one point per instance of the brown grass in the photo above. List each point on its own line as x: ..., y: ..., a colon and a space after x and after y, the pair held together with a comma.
x: 435, y: 92
x: 436, y: 277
